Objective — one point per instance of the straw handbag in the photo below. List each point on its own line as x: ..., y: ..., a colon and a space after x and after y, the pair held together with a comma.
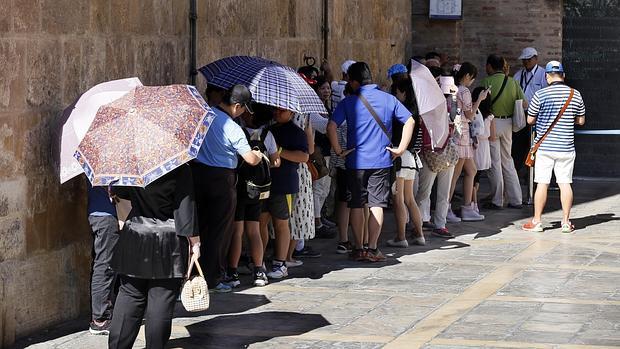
x: 195, y: 293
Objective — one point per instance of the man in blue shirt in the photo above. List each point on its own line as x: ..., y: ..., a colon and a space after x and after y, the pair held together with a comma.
x: 369, y: 152
x: 215, y: 181
x: 557, y: 150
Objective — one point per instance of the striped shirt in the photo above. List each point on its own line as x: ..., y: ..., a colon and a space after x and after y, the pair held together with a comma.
x: 545, y: 106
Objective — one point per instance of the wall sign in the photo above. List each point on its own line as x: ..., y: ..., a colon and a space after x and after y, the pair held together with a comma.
x: 446, y: 9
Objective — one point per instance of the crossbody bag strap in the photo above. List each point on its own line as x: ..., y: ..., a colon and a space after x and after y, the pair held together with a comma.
x: 501, y: 89
x: 375, y: 116
x: 557, y: 118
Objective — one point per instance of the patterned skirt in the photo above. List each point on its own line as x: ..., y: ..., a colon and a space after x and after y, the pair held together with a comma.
x: 302, y: 218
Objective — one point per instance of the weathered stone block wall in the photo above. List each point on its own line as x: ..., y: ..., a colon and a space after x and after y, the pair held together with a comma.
x: 504, y: 27
x: 375, y: 31
x: 51, y: 51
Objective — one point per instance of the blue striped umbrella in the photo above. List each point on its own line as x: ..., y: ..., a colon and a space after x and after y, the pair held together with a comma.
x: 270, y: 82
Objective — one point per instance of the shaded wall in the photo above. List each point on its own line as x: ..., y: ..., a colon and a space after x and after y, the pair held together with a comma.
x: 51, y: 51
x: 504, y: 27
x: 592, y: 63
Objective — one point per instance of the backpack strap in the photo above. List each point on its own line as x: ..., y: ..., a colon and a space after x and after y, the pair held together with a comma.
x: 263, y: 134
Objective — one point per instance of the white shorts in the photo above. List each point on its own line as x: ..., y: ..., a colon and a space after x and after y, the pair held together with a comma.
x: 408, y: 166
x: 560, y: 163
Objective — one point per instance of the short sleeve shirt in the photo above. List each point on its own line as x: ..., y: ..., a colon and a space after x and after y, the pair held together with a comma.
x: 363, y: 133
x: 223, y: 142
x: 270, y: 142
x: 463, y: 98
x: 284, y: 179
x: 545, y: 106
x: 505, y: 104
x: 531, y: 81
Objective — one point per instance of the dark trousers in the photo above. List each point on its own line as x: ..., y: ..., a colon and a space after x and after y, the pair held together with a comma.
x: 102, y: 281
x: 520, y: 147
x: 150, y: 299
x: 216, y: 198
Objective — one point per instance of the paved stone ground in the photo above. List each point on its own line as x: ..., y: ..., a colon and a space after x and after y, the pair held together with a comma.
x: 493, y: 286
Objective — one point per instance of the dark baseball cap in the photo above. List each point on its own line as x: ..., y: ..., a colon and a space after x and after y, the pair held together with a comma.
x: 242, y: 95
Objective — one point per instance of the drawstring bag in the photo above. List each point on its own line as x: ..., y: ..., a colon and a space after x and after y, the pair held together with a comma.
x: 195, y: 293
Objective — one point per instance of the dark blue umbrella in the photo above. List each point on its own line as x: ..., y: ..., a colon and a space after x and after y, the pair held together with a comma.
x: 270, y: 82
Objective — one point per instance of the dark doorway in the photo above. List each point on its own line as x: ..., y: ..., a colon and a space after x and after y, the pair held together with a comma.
x: 591, y: 55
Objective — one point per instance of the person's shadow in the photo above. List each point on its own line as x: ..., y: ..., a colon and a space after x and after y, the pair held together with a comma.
x: 587, y: 221
x: 239, y: 331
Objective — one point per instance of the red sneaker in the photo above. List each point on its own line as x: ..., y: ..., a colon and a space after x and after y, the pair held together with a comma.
x: 531, y: 226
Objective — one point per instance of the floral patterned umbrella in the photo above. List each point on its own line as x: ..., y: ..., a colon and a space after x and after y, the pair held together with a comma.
x: 144, y: 135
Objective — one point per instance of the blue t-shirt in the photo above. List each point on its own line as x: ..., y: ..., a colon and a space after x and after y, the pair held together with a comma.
x: 284, y: 179
x: 223, y: 142
x: 99, y: 203
x: 363, y: 132
x: 545, y: 106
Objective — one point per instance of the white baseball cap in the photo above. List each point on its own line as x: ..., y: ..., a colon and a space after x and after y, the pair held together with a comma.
x: 528, y: 53
x: 346, y: 64
x: 447, y: 84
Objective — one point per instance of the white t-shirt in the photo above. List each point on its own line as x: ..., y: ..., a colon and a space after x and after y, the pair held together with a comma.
x: 270, y: 142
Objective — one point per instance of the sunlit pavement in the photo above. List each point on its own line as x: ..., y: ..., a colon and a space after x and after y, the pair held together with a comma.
x: 493, y: 286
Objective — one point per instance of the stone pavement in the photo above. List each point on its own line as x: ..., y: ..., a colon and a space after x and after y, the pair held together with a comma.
x: 493, y: 286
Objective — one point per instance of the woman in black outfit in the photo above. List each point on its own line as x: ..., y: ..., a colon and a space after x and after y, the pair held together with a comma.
x: 151, y: 257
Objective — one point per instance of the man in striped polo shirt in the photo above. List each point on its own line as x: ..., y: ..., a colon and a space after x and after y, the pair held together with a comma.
x: 557, y: 151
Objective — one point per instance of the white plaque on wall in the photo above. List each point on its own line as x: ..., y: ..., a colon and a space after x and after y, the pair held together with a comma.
x: 446, y: 9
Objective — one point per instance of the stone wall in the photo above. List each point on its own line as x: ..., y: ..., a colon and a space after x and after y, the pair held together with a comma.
x: 504, y: 27
x: 375, y: 31
x: 51, y: 51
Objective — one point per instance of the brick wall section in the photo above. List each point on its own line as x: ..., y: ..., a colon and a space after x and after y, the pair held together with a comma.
x: 51, y: 51
x: 285, y: 31
x: 504, y: 27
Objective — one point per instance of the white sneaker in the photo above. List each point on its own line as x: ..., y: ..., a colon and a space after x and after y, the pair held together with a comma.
x: 394, y: 243
x: 451, y: 217
x: 278, y: 271
x: 294, y: 263
x: 476, y: 207
x: 419, y: 240
x: 469, y: 214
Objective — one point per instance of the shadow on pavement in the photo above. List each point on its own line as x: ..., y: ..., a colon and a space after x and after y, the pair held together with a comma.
x: 229, y: 303
x: 239, y: 331
x: 583, y: 222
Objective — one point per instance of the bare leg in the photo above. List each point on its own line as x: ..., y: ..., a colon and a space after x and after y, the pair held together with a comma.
x: 234, y: 252
x: 366, y: 218
x: 566, y: 197
x: 375, y: 223
x: 256, y: 242
x: 414, y: 210
x: 455, y: 177
x: 291, y: 248
x: 264, y: 230
x: 468, y: 181
x: 283, y: 238
x: 400, y: 211
x: 540, y: 199
x: 357, y: 225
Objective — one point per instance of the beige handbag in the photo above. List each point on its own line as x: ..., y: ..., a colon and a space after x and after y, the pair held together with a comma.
x: 195, y: 293
x: 518, y: 116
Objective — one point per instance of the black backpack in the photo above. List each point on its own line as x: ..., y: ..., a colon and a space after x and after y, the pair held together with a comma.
x: 255, y: 181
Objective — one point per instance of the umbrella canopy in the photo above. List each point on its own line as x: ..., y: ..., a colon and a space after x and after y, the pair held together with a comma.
x: 144, y: 135
x: 270, y: 82
x: 431, y: 103
x: 81, y: 116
